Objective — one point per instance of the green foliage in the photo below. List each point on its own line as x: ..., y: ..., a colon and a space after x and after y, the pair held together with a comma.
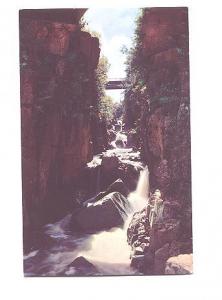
x: 145, y: 88
x: 136, y: 69
x: 118, y: 109
x: 85, y: 27
x: 105, y: 102
x: 101, y: 76
x: 106, y: 108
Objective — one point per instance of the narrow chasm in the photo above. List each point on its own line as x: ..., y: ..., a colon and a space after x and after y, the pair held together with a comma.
x: 105, y: 155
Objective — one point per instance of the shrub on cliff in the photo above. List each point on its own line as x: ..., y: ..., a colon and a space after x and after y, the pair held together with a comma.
x: 105, y: 101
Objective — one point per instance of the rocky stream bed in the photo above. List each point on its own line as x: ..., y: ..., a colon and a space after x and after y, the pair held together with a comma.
x: 113, y: 232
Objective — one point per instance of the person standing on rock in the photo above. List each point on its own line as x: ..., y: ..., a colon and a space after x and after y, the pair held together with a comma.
x: 155, y: 208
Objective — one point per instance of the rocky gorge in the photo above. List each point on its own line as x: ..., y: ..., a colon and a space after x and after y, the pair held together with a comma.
x: 98, y: 199
x: 60, y: 130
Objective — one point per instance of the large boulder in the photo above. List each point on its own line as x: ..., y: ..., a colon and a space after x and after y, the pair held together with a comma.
x: 116, y: 186
x: 109, y: 163
x: 117, y: 127
x: 113, y: 167
x: 179, y: 265
x: 111, y: 135
x: 81, y: 267
x: 152, y: 246
x: 120, y: 143
x: 110, y: 211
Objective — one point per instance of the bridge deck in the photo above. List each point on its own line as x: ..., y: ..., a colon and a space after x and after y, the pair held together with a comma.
x: 115, y: 84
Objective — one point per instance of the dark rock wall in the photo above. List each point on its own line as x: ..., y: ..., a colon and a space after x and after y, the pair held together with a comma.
x: 166, y: 138
x: 164, y: 124
x: 58, y: 109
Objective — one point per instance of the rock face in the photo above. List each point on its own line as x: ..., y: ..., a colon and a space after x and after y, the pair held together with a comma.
x: 110, y: 211
x: 58, y: 109
x: 164, y: 109
x: 153, y: 245
x: 166, y: 133
x: 166, y: 142
x: 107, y: 168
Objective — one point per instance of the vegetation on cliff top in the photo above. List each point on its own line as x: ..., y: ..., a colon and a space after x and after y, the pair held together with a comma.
x: 105, y: 105
x: 105, y: 102
x: 136, y: 85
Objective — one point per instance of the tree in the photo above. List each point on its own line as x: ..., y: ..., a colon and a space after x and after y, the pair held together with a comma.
x: 105, y: 101
x: 106, y: 108
x: 136, y: 91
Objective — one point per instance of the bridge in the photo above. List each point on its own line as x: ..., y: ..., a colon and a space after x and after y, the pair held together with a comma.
x: 115, y: 84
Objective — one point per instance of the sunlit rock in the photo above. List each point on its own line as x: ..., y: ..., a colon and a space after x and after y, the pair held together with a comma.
x: 179, y: 265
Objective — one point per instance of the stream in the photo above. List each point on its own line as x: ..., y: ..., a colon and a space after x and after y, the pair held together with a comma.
x: 107, y: 250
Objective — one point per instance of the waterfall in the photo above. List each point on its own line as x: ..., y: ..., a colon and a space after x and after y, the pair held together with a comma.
x: 109, y: 250
x: 121, y: 138
x: 139, y: 198
x: 142, y: 189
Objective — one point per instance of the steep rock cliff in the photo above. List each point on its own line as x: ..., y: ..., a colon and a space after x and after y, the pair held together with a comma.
x: 58, y: 109
x: 163, y: 121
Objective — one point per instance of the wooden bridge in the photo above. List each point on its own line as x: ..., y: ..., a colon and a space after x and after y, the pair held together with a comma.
x: 115, y: 84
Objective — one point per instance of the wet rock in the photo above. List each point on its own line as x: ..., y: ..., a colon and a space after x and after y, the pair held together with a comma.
x: 129, y: 174
x: 111, y: 135
x: 161, y: 256
x: 137, y: 227
x: 133, y: 226
x: 81, y: 266
x: 110, y: 211
x: 117, y: 127
x: 157, y: 242
x: 120, y: 143
x: 36, y: 239
x: 116, y: 186
x: 117, y: 165
x: 109, y: 163
x: 179, y: 265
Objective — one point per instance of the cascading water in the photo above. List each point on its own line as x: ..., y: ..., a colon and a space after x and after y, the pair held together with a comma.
x: 121, y: 138
x: 109, y: 250
x: 138, y: 199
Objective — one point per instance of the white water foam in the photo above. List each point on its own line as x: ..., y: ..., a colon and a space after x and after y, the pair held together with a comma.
x: 109, y: 250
